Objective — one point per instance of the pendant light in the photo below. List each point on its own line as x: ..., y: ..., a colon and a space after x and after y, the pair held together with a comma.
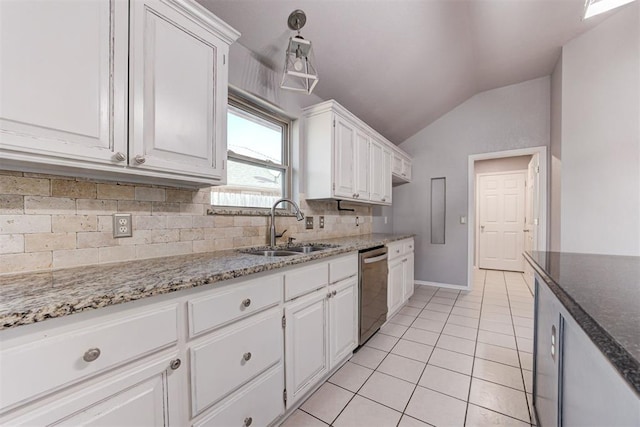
x: 299, y: 66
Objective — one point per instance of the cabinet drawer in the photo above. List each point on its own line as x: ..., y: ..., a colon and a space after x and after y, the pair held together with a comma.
x: 61, y: 359
x: 395, y: 249
x: 304, y: 280
x: 233, y: 357
x: 257, y: 405
x: 407, y: 247
x: 233, y: 302
x: 343, y: 267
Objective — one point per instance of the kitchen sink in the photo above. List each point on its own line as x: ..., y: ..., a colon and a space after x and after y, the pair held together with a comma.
x: 270, y: 252
x: 288, y: 250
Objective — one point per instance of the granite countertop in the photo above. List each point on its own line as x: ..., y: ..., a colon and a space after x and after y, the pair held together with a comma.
x: 602, y: 293
x: 33, y: 297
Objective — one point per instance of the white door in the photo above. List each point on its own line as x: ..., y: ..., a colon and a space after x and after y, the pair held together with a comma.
x: 343, y: 319
x: 531, y: 214
x: 344, y: 162
x: 362, y: 166
x: 376, y: 171
x: 395, y: 286
x: 178, y: 110
x: 306, y: 347
x: 501, y: 199
x: 63, y: 83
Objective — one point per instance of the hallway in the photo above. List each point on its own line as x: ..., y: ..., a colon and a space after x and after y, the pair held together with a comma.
x: 448, y: 358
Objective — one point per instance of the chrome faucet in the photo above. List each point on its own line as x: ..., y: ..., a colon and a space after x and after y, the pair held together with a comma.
x: 299, y: 216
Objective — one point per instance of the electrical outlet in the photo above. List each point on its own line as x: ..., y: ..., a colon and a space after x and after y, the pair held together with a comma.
x: 308, y: 222
x: 122, y: 226
x: 321, y: 221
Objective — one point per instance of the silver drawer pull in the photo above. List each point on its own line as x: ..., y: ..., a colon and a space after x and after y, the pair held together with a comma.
x: 248, y: 421
x: 328, y: 295
x: 139, y: 159
x: 246, y: 303
x: 175, y: 364
x: 375, y: 259
x: 121, y: 157
x: 247, y: 356
x: 91, y: 354
x: 333, y: 294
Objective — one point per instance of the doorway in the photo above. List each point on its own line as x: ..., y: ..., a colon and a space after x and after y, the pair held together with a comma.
x: 501, y: 202
x: 529, y: 232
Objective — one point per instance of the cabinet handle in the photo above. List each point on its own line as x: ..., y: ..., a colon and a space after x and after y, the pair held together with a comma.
x: 91, y: 354
x: 119, y: 156
x: 246, y: 303
x: 328, y: 295
x: 354, y: 195
x: 247, y: 356
x: 139, y: 159
x: 248, y: 421
x: 175, y: 364
x: 333, y: 294
x: 384, y: 200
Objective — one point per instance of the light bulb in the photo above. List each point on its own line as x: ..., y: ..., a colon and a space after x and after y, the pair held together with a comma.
x: 297, y: 65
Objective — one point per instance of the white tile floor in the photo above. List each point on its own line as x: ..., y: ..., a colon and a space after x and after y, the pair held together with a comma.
x: 448, y: 358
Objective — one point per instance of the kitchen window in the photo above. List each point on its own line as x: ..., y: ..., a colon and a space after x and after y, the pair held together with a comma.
x: 257, y: 157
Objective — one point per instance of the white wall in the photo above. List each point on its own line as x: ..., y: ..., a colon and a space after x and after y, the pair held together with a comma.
x: 555, y: 153
x: 600, y: 187
x: 506, y: 118
x: 505, y: 164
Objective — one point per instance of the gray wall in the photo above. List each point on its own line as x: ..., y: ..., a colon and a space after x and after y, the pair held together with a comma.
x: 507, y: 118
x: 600, y: 187
x: 555, y: 153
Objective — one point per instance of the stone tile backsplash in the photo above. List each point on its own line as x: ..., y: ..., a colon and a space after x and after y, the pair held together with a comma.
x: 55, y: 222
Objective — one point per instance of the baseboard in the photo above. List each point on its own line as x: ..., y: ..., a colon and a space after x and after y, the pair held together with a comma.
x: 441, y: 285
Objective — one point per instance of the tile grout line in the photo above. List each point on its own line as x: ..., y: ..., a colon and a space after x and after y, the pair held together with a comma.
x: 475, y: 350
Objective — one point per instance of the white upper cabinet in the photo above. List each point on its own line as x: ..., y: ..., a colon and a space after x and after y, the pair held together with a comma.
x: 357, y: 167
x: 63, y: 81
x: 178, y: 111
x: 401, y: 167
x: 115, y: 90
x: 344, y: 162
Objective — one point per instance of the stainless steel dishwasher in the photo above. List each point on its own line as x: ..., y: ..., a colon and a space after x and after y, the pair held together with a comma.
x: 372, y: 291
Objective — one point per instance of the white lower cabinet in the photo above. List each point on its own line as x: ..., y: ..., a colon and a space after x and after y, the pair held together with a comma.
x: 343, y: 319
x: 400, y: 281
x: 235, y: 355
x: 306, y: 345
x: 321, y: 329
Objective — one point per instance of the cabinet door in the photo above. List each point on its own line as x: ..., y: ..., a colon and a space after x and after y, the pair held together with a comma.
x: 63, y: 80
x: 386, y: 177
x: 362, y: 166
x: 343, y: 318
x: 406, y: 169
x: 376, y: 172
x: 408, y: 275
x: 396, y: 166
x: 178, y: 93
x: 145, y: 395
x: 306, y: 346
x: 395, y: 286
x: 547, y: 355
x: 344, y: 162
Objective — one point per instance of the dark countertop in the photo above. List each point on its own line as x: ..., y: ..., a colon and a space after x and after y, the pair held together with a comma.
x: 602, y: 293
x: 27, y: 298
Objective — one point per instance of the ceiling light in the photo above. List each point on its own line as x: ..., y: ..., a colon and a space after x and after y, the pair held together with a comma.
x: 596, y: 7
x: 299, y: 65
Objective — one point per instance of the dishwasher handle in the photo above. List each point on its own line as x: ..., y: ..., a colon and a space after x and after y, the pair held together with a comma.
x: 375, y: 259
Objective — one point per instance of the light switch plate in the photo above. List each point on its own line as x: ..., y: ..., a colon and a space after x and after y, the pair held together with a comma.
x: 321, y: 221
x: 122, y: 226
x: 308, y: 222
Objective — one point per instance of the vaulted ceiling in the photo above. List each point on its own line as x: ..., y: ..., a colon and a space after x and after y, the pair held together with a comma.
x: 401, y: 64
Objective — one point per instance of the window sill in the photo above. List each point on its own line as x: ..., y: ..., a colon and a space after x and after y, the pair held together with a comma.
x: 247, y: 212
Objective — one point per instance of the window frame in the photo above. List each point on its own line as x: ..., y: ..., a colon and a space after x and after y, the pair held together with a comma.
x: 249, y: 110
